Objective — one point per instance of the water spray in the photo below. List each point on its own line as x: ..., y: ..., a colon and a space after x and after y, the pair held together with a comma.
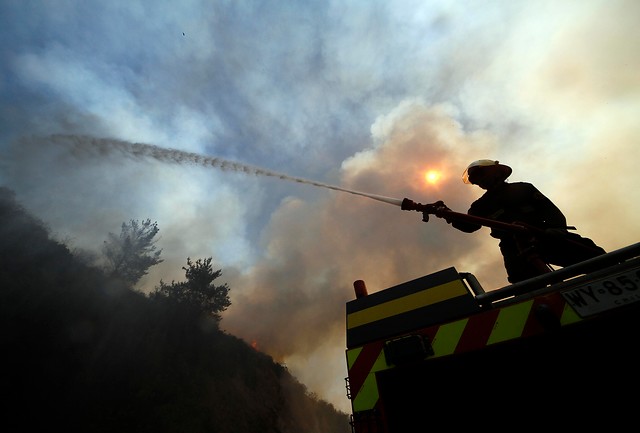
x: 83, y: 146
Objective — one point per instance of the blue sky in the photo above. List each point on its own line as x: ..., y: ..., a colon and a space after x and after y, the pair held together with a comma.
x: 365, y: 95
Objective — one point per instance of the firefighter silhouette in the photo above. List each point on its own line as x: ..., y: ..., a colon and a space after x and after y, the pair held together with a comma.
x: 530, y: 254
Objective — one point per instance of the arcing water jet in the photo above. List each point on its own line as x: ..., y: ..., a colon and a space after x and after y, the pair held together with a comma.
x: 84, y: 146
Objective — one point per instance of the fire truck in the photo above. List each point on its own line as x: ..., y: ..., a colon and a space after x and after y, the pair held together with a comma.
x: 440, y: 353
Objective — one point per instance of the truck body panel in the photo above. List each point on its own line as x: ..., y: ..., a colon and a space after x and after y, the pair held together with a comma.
x: 560, y: 346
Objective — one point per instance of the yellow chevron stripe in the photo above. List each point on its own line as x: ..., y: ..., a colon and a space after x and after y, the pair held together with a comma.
x: 407, y: 303
x: 569, y: 316
x: 509, y: 325
x: 510, y: 322
x: 447, y: 337
x: 352, y: 355
x: 368, y: 394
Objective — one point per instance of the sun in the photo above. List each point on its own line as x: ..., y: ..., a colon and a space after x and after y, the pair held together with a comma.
x: 432, y: 177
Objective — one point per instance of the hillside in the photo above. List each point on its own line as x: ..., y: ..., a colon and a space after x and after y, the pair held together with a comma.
x: 85, y: 353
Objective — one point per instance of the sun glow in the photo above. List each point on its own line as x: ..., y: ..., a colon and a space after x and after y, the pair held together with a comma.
x: 432, y: 176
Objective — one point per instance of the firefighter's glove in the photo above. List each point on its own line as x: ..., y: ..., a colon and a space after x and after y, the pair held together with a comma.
x: 440, y: 206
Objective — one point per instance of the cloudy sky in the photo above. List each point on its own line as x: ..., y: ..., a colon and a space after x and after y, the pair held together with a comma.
x: 366, y: 95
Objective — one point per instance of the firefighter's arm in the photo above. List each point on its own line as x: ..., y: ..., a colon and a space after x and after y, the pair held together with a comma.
x: 552, y: 232
x: 443, y: 211
x: 463, y: 226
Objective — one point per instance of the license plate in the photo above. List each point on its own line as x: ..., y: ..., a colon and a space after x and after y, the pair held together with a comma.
x: 605, y: 294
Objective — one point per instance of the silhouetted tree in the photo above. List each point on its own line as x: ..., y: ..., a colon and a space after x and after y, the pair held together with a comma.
x: 199, y: 290
x: 130, y: 255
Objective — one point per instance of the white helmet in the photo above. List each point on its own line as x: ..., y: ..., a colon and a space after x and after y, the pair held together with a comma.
x: 504, y: 170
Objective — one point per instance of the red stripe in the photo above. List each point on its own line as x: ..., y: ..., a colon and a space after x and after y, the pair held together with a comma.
x: 363, y: 365
x: 476, y: 333
x: 554, y: 302
x: 430, y: 333
x: 532, y: 325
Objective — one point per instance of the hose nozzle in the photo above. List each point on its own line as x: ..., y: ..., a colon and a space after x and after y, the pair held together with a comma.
x: 408, y: 204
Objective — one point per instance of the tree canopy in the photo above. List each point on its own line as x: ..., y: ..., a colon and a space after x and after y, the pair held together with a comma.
x: 199, y: 290
x: 130, y: 254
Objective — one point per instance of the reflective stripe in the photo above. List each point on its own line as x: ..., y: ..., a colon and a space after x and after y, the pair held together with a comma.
x: 352, y: 355
x: 510, y: 322
x: 407, y: 303
x: 368, y: 395
x: 569, y: 316
x: 447, y: 337
x: 471, y: 333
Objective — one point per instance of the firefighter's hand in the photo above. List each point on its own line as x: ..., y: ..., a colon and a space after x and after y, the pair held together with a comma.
x: 439, y: 207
